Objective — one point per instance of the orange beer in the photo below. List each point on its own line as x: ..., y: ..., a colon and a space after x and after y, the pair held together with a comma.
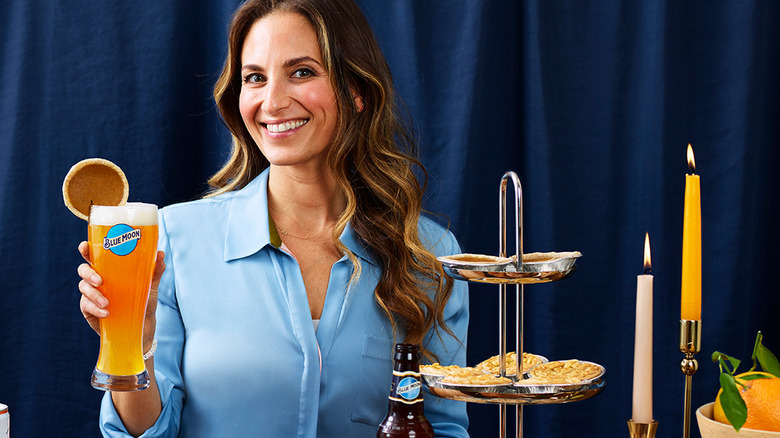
x: 123, y: 249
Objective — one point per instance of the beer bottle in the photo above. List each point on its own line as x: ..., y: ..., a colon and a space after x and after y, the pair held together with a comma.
x: 405, y: 416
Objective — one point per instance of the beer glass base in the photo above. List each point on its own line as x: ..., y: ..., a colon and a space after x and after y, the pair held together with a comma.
x: 110, y: 382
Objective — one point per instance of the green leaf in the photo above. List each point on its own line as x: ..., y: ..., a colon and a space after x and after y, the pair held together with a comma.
x: 754, y: 357
x: 753, y: 377
x: 733, y: 405
x: 767, y: 360
x: 722, y: 359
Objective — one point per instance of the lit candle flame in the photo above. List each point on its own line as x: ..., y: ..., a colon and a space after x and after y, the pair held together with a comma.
x: 691, y: 161
x: 648, y: 265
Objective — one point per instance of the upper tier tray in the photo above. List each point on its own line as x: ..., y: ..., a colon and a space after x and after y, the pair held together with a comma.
x: 538, y: 267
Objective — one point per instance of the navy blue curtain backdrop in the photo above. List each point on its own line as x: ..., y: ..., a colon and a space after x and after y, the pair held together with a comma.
x: 591, y: 103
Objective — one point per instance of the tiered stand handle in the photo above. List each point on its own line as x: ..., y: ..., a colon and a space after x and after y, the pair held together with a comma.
x: 519, y: 291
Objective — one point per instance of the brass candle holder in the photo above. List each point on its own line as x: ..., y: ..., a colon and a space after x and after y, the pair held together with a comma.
x: 690, y: 344
x: 642, y: 430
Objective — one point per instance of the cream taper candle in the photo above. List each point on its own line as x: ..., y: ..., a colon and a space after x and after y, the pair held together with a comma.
x: 642, y: 407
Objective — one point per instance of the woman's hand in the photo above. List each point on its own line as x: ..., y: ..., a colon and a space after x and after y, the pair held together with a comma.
x: 94, y: 305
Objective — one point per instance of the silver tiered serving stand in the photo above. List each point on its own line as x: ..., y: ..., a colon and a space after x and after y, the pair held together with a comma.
x: 517, y: 270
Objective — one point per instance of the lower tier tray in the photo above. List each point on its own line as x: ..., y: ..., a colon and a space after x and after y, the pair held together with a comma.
x: 517, y: 394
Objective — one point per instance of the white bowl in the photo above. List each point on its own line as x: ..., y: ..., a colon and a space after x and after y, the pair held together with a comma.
x: 710, y: 428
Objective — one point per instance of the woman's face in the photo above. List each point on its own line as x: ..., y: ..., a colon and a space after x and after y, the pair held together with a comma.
x: 286, y: 100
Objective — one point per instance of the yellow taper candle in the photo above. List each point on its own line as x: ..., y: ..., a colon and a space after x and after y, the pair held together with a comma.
x: 691, y: 248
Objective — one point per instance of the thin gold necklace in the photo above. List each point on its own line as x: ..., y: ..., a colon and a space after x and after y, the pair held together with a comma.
x: 286, y: 233
x: 297, y: 237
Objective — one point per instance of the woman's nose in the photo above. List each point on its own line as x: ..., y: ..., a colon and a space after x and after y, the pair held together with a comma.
x: 276, y: 97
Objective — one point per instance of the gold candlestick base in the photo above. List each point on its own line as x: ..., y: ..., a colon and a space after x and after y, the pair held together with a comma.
x: 642, y: 430
x: 690, y: 344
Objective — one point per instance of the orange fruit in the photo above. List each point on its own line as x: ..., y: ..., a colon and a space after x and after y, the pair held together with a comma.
x: 762, y: 397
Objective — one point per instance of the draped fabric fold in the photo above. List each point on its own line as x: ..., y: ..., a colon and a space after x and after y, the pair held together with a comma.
x: 591, y: 104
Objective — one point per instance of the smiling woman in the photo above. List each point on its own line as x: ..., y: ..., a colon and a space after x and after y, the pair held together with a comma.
x: 295, y: 276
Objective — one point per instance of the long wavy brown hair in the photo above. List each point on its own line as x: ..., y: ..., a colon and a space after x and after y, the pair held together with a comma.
x: 372, y: 157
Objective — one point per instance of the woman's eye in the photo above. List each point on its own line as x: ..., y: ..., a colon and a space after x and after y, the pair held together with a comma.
x: 303, y: 73
x: 253, y: 78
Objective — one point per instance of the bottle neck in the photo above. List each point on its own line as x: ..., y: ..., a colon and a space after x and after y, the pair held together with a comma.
x: 402, y: 366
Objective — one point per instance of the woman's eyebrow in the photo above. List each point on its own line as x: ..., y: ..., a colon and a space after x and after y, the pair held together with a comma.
x: 299, y: 60
x: 287, y: 64
x: 251, y: 67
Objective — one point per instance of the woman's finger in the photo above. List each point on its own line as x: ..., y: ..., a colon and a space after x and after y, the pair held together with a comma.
x: 84, y: 250
x: 88, y: 274
x: 89, y: 306
x: 93, y: 295
x: 88, y: 310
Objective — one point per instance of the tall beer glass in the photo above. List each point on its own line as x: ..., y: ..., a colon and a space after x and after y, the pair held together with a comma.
x: 122, y: 249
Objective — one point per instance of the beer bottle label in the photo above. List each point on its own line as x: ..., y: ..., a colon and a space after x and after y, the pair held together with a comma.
x: 406, y: 387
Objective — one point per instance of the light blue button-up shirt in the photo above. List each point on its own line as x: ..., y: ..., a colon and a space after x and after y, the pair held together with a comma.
x: 238, y: 354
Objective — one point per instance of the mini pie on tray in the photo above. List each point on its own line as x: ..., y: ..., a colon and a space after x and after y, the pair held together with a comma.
x: 477, y: 379
x: 457, y: 375
x: 437, y: 369
x: 562, y: 372
x: 492, y: 366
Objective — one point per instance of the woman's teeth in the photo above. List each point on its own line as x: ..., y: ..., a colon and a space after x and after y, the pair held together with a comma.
x: 286, y: 126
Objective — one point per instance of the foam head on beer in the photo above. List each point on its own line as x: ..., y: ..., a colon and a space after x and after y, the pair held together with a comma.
x: 132, y: 213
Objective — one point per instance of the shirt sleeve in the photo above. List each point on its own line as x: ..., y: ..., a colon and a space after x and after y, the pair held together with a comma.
x: 167, y: 358
x: 449, y: 417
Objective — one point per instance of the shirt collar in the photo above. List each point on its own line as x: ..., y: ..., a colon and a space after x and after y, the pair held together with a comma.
x: 250, y: 227
x: 359, y: 248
